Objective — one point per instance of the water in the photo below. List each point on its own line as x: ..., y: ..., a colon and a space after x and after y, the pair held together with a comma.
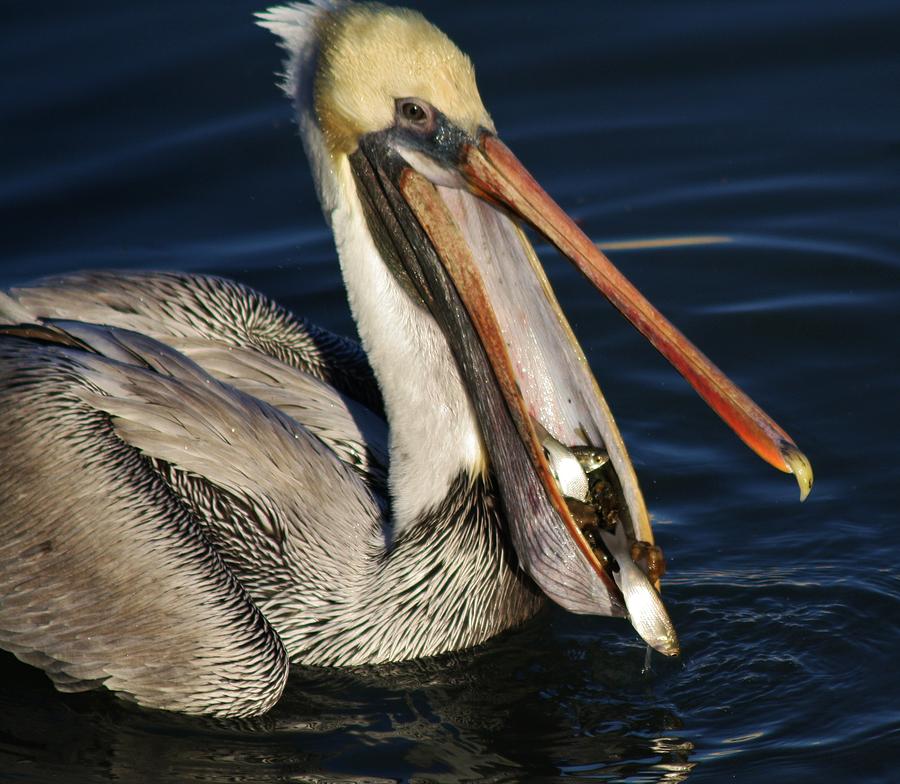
x: 149, y: 135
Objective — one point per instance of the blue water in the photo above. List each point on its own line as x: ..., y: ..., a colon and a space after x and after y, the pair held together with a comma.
x: 150, y: 135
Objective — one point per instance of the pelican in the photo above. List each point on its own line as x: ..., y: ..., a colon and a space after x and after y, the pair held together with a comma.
x: 198, y: 489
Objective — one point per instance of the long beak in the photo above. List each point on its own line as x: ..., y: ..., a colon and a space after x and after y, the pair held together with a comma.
x: 581, y: 531
x: 543, y: 382
x: 495, y: 173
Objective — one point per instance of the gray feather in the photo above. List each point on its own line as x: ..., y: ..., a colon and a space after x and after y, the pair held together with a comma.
x: 150, y: 610
x: 182, y: 507
x: 168, y: 305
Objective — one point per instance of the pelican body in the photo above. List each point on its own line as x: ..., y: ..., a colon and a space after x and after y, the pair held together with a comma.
x: 198, y: 488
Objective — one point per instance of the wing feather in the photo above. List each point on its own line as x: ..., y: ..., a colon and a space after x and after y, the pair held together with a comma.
x: 104, y: 575
x: 172, y: 492
x: 170, y: 305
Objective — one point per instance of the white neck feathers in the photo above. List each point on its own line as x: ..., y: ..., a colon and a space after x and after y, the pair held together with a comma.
x: 434, y: 435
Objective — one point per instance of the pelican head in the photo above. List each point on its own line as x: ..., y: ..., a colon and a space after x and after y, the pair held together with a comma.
x: 428, y: 208
x: 372, y: 57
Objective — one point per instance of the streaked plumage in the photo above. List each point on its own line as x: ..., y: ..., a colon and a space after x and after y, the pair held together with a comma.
x: 227, y: 461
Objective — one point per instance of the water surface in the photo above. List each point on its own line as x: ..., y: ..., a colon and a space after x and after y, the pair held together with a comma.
x: 149, y: 135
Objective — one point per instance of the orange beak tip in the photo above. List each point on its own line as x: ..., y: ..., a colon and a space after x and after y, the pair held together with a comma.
x: 798, y: 464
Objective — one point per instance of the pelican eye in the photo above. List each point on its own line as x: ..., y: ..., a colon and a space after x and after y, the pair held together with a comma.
x: 413, y: 112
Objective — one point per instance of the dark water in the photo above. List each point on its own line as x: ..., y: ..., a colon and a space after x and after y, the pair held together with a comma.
x: 150, y: 135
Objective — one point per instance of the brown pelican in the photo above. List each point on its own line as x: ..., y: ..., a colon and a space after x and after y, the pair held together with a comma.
x: 197, y: 489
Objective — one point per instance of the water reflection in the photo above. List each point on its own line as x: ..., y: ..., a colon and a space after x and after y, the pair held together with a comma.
x: 510, y: 709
